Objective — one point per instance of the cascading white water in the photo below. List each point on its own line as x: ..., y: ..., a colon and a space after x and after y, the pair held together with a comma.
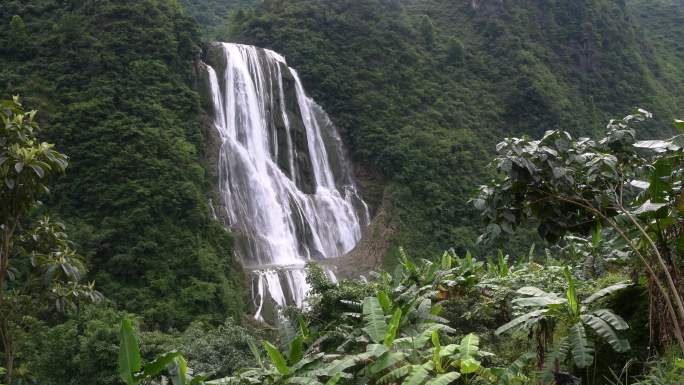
x: 286, y: 186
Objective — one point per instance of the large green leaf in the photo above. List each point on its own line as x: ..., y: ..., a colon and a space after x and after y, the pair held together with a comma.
x: 640, y: 184
x: 606, y: 291
x: 339, y: 366
x: 522, y: 321
x: 255, y: 352
x: 444, y: 379
x: 385, y: 361
x: 374, y: 350
x: 606, y: 332
x: 447, y: 261
x: 653, y: 144
x: 308, y: 359
x: 303, y: 329
x: 469, y: 344
x: 448, y: 350
x: 659, y: 180
x: 570, y: 294
x: 648, y: 207
x: 418, y: 375
x: 129, y: 353
x: 520, y: 363
x: 424, y: 336
x: 503, y: 264
x: 393, y: 327
x: 534, y: 292
x: 395, y: 375
x: 436, y: 354
x: 537, y: 301
x: 296, y: 350
x: 467, y: 354
x: 376, y: 327
x: 580, y: 346
x: 277, y: 358
x: 613, y: 319
x: 155, y: 367
x: 334, y: 379
x: 385, y: 301
x: 180, y: 374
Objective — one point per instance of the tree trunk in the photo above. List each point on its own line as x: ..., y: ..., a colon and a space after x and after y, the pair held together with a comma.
x: 5, y: 333
x: 8, y: 349
x: 657, y: 307
x: 4, y: 259
x: 544, y: 336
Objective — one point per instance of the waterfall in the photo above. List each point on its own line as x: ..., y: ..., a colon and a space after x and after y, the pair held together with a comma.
x: 284, y: 178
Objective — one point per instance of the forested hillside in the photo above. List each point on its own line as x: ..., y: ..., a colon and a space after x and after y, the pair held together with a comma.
x: 114, y: 82
x: 661, y: 23
x: 212, y: 15
x: 420, y: 88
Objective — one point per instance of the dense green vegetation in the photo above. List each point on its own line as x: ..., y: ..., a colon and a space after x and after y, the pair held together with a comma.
x: 115, y: 82
x: 563, y: 185
x: 212, y: 15
x: 39, y: 270
x: 459, y: 320
x: 422, y: 90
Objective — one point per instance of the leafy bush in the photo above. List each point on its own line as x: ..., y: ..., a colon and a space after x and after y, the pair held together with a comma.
x: 577, y: 186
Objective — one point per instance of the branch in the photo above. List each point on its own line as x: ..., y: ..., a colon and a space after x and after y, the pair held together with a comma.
x: 667, y: 297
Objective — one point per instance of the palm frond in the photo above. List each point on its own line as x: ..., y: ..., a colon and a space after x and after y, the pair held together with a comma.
x: 580, y: 346
x: 606, y: 291
x: 606, y: 332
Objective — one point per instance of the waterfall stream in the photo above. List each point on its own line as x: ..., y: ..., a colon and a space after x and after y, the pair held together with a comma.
x: 284, y: 178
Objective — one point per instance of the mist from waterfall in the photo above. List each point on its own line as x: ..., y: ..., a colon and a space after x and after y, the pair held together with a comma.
x: 284, y: 178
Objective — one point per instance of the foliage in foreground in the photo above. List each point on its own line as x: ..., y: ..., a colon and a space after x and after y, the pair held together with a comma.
x: 543, y: 312
x: 39, y: 270
x: 563, y: 185
x: 398, y: 334
x: 395, y: 336
x: 393, y: 328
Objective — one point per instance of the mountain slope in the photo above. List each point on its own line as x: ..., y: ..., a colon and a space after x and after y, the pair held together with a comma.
x: 114, y: 83
x: 662, y: 24
x: 423, y: 89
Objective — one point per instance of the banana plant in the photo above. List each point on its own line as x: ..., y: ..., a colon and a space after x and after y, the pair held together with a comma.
x: 501, y: 268
x: 544, y: 311
x: 514, y: 374
x: 133, y: 372
x: 438, y: 364
x: 296, y: 366
x: 448, y: 273
x: 404, y: 346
